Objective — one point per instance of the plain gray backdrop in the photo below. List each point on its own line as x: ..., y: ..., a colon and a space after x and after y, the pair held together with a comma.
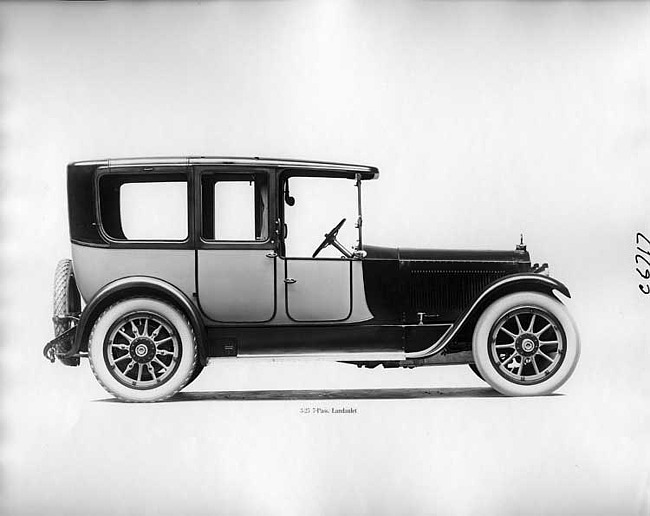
x: 486, y: 119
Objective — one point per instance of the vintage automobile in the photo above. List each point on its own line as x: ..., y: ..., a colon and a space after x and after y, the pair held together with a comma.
x: 216, y: 280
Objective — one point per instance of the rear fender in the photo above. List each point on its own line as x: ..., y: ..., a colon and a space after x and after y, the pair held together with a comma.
x: 133, y: 286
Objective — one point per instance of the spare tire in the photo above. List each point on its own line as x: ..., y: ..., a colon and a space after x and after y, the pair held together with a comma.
x: 67, y: 300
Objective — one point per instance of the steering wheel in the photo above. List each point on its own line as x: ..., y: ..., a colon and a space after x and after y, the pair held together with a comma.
x: 330, y: 238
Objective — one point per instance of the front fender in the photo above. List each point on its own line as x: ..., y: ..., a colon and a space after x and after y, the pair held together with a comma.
x: 538, y: 282
x: 135, y: 286
x: 495, y: 290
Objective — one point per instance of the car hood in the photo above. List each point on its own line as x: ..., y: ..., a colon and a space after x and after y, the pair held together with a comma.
x: 402, y: 282
x: 446, y: 255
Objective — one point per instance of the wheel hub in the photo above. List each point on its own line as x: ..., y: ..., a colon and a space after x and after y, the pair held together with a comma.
x: 527, y: 344
x: 142, y: 350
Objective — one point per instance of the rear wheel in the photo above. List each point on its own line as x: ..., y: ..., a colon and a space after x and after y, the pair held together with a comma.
x: 198, y: 368
x: 142, y: 349
x: 526, y: 344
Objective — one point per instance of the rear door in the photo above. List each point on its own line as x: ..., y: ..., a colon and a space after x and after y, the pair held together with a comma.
x: 235, y: 258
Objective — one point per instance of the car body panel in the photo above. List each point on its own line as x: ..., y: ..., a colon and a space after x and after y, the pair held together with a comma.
x: 437, y: 283
x: 236, y: 285
x: 318, y: 290
x: 96, y: 267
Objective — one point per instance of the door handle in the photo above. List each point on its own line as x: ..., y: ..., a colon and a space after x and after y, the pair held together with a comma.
x: 271, y: 255
x: 289, y: 280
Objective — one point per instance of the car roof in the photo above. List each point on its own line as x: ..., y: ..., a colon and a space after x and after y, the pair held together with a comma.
x: 366, y: 171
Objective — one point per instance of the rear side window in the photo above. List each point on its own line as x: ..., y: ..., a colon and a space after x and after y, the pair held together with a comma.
x: 234, y: 210
x: 138, y: 208
x: 154, y: 211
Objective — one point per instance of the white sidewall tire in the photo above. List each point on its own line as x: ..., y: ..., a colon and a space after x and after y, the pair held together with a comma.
x: 101, y: 370
x: 480, y: 344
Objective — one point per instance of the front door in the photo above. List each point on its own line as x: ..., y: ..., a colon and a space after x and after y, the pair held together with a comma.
x: 235, y: 260
x: 318, y: 290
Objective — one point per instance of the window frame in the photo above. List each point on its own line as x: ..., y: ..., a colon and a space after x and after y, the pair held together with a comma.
x: 199, y: 172
x: 146, y: 174
x: 283, y: 175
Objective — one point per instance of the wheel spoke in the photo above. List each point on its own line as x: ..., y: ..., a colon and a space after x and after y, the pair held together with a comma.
x: 512, y: 345
x: 121, y: 358
x: 532, y: 323
x: 134, y: 328
x: 152, y: 371
x: 519, y: 326
x: 547, y: 369
x: 157, y: 360
x: 158, y: 342
x: 145, y: 329
x: 535, y: 364
x: 547, y: 342
x: 129, y: 366
x: 521, y: 366
x: 540, y: 352
x: 126, y: 336
x: 156, y: 332
x: 543, y: 330
x: 140, y: 366
x: 508, y: 332
x: 123, y: 347
x: 164, y: 352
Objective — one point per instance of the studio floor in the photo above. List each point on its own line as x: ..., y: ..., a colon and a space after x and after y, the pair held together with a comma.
x: 318, y: 438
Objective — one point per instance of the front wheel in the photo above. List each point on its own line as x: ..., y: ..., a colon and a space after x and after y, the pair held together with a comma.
x: 476, y: 371
x: 526, y: 344
x: 142, y: 349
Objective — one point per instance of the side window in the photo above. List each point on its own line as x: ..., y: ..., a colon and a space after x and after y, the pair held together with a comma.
x: 154, y: 211
x: 317, y: 205
x: 235, y: 207
x: 132, y: 209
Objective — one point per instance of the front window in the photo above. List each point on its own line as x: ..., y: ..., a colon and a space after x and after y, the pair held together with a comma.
x: 312, y: 207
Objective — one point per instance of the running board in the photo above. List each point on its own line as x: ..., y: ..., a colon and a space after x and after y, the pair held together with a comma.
x: 332, y: 357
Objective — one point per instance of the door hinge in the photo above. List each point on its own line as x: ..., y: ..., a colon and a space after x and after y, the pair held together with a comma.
x: 271, y: 255
x: 289, y: 280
